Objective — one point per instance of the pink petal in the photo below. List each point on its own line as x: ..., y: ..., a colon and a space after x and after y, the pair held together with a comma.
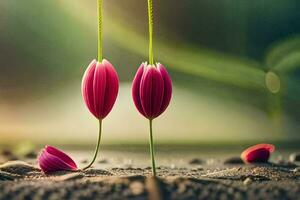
x: 99, y: 86
x: 257, y: 153
x: 112, y: 87
x: 52, y: 159
x: 151, y: 91
x: 87, y: 87
x: 136, y: 89
x: 167, y: 87
x: 56, y: 152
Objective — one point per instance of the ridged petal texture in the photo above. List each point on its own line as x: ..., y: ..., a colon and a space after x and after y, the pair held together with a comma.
x: 257, y: 153
x: 151, y: 90
x: 51, y: 160
x: 100, y: 85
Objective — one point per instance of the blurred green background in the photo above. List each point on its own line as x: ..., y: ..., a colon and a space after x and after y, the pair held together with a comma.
x: 235, y: 66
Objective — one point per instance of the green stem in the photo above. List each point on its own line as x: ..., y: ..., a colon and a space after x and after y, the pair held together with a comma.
x: 152, y: 149
x: 99, y: 5
x: 150, y: 16
x: 97, y: 147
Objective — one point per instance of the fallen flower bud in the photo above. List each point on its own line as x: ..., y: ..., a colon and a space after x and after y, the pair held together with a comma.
x: 257, y: 153
x: 52, y: 159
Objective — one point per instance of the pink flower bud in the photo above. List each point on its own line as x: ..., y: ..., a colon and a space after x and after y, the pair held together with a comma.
x: 52, y: 159
x: 151, y: 90
x: 257, y: 153
x: 100, y: 85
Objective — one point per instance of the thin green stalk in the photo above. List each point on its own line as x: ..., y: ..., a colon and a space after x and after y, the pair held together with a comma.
x: 150, y: 21
x: 99, y: 5
x: 97, y: 147
x: 152, y: 149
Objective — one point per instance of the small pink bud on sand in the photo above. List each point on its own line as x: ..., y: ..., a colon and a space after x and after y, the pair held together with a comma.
x: 100, y: 85
x: 257, y: 153
x: 151, y: 90
x: 52, y: 160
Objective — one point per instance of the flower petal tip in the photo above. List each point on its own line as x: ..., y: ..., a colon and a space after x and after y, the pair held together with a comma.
x: 259, y: 153
x: 52, y: 159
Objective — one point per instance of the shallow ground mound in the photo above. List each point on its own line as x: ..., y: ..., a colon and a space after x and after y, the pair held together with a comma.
x: 20, y: 180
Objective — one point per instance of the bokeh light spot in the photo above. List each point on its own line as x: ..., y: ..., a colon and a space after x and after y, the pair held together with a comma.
x: 272, y: 81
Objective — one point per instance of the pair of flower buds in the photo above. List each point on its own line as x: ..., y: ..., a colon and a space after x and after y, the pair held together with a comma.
x: 151, y: 93
x: 151, y: 89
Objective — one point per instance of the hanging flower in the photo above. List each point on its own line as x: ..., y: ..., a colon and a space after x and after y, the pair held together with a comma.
x: 100, y: 85
x: 151, y: 87
x: 52, y: 160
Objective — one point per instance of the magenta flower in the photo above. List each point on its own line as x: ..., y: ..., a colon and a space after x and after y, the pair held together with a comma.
x: 257, y: 153
x: 151, y: 90
x: 52, y: 159
x: 151, y: 87
x: 100, y: 85
x: 151, y: 93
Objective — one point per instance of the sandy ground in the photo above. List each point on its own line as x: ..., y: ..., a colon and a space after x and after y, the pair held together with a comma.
x: 208, y: 178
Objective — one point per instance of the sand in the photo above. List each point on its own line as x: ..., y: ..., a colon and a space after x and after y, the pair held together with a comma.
x: 226, y: 179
